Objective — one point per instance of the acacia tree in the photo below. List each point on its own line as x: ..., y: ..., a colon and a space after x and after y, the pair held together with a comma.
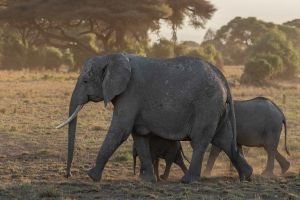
x: 234, y: 38
x: 62, y: 22
x: 196, y: 11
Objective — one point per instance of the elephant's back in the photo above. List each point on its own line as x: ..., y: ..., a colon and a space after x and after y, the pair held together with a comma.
x: 255, y: 118
x: 185, y: 75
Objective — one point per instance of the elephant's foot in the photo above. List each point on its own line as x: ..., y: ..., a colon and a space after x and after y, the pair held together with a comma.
x: 148, y: 178
x: 163, y: 177
x: 285, y: 168
x: 267, y: 173
x: 188, y: 178
x: 246, y: 174
x: 94, y: 174
x: 244, y: 169
x: 68, y: 174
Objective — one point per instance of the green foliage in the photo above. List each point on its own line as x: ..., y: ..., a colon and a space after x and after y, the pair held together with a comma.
x: 80, y: 57
x: 34, y: 58
x: 240, y: 34
x: 293, y: 23
x: 14, y: 55
x: 208, y: 53
x: 181, y: 50
x: 166, y: 49
x: 234, y: 38
x: 68, y: 58
x: 275, y: 42
x: 97, y: 27
x: 13, y: 52
x: 262, y: 67
x: 90, y: 40
x: 53, y: 58
x: 163, y: 49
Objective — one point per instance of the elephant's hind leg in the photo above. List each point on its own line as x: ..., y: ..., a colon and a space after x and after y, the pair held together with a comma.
x: 213, y: 155
x: 270, y: 162
x: 231, y: 168
x: 283, y: 162
x: 224, y: 141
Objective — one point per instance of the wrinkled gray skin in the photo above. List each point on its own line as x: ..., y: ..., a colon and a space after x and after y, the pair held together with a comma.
x: 177, y: 99
x: 169, y: 150
x: 259, y: 123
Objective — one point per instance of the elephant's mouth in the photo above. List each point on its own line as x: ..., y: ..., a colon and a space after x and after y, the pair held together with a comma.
x: 94, y: 98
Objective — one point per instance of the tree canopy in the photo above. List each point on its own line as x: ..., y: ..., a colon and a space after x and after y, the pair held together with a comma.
x: 99, y: 26
x: 238, y: 36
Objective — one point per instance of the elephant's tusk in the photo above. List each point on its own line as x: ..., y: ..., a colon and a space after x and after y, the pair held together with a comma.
x: 71, y: 117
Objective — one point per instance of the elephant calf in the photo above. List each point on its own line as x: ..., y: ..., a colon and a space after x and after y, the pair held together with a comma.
x: 258, y: 123
x: 169, y: 150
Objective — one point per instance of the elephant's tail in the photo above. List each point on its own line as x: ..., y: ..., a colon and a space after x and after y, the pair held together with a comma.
x: 229, y: 109
x: 285, y: 128
x: 233, y: 126
x: 285, y: 136
x: 283, y: 121
x: 184, y: 156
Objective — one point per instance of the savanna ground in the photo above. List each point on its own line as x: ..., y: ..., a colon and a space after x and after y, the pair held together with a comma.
x: 33, y: 152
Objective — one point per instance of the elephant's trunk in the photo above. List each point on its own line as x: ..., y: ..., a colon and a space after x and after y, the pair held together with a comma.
x: 71, y: 132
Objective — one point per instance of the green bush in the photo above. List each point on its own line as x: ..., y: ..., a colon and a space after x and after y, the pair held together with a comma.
x: 163, y: 49
x: 208, y: 53
x: 276, y: 43
x: 181, y: 50
x: 262, y: 67
x: 35, y: 58
x: 53, y: 58
x: 13, y: 52
x: 68, y: 58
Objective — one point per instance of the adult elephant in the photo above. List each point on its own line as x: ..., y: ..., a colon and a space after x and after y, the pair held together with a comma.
x: 183, y: 98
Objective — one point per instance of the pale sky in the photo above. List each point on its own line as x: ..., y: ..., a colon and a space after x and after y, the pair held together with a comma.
x: 276, y: 11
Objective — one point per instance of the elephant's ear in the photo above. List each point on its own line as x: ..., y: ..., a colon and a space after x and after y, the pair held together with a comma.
x: 116, y: 77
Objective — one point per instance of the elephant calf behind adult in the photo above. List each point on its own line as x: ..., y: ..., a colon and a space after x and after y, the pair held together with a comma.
x: 259, y: 123
x: 176, y: 99
x: 169, y: 150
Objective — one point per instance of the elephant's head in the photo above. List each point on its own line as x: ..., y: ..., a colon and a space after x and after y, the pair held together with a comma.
x: 102, y: 78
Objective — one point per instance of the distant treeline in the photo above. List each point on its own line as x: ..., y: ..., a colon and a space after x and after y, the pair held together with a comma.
x: 48, y: 34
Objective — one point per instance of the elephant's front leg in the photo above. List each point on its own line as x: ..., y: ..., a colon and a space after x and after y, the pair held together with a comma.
x: 119, y: 131
x: 143, y: 149
x: 193, y: 173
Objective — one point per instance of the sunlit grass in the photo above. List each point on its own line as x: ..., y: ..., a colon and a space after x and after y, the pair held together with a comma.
x: 33, y: 152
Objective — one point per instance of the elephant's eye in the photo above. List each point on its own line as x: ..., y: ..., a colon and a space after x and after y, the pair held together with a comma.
x: 85, y: 81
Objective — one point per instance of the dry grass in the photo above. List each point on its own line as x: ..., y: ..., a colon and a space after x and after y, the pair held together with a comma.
x: 33, y: 153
